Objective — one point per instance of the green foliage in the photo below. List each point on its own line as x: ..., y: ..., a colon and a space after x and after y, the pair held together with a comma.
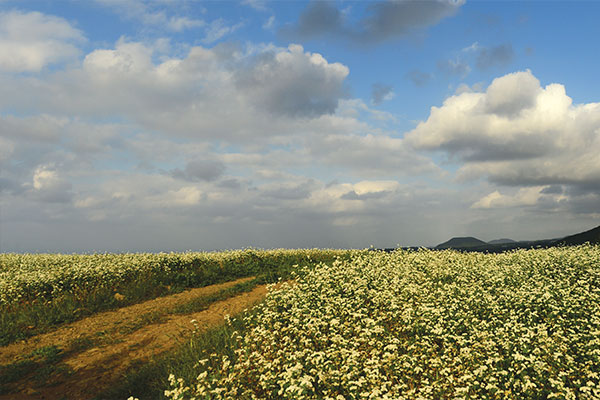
x: 40, y: 364
x: 202, y: 303
x: 148, y: 380
x: 38, y: 292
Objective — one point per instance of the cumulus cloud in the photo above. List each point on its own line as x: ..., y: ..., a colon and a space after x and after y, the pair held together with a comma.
x: 273, y: 82
x: 369, y: 190
x: 346, y: 202
x: 266, y: 89
x: 517, y: 133
x: 30, y: 41
x: 385, y: 20
x: 524, y: 197
x: 512, y: 95
x: 185, y: 196
x: 49, y: 186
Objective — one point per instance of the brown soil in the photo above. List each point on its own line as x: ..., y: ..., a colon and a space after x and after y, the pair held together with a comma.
x: 94, y: 369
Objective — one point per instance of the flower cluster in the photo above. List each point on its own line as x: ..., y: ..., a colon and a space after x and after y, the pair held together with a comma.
x: 420, y: 325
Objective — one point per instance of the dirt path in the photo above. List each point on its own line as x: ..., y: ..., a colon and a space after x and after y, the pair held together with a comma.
x: 95, y: 368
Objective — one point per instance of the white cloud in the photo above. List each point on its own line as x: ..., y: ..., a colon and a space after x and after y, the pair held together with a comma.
x: 270, y: 23
x: 30, y: 41
x: 49, y: 186
x: 358, y: 199
x: 513, y: 93
x: 473, y: 47
x: 524, y: 197
x: 365, y: 187
x: 186, y: 196
x: 179, y: 24
x: 517, y: 133
x: 44, y: 178
x: 126, y: 59
x: 270, y: 91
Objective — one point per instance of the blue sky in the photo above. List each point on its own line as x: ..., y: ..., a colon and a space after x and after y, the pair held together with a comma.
x: 138, y: 125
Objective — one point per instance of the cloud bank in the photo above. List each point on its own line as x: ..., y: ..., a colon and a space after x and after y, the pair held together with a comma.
x: 517, y: 133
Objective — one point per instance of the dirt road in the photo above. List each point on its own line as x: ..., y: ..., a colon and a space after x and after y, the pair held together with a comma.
x: 118, y: 339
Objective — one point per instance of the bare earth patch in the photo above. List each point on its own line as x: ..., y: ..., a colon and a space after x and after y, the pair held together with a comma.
x: 94, y: 369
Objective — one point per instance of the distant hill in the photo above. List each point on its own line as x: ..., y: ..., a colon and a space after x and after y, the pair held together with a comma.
x: 461, y: 243
x: 592, y: 236
x: 501, y: 245
x: 502, y: 241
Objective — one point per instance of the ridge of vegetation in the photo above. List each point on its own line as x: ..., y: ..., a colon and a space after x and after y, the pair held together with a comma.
x: 39, y: 292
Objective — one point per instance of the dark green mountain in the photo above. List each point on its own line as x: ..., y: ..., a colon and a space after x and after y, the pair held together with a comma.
x: 501, y: 245
x: 497, y: 246
x: 461, y: 243
x: 592, y: 236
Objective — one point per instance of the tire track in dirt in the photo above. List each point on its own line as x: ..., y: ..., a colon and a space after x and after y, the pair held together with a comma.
x: 94, y: 369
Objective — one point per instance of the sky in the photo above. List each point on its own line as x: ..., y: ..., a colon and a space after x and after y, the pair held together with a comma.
x: 133, y: 125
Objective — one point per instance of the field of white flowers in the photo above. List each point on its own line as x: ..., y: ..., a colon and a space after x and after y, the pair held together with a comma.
x: 28, y: 277
x: 420, y: 325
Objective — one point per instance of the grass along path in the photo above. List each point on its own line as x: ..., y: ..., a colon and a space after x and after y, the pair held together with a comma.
x: 38, y: 292
x: 83, y: 358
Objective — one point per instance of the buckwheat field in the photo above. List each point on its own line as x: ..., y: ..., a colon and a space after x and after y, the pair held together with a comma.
x: 419, y: 325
